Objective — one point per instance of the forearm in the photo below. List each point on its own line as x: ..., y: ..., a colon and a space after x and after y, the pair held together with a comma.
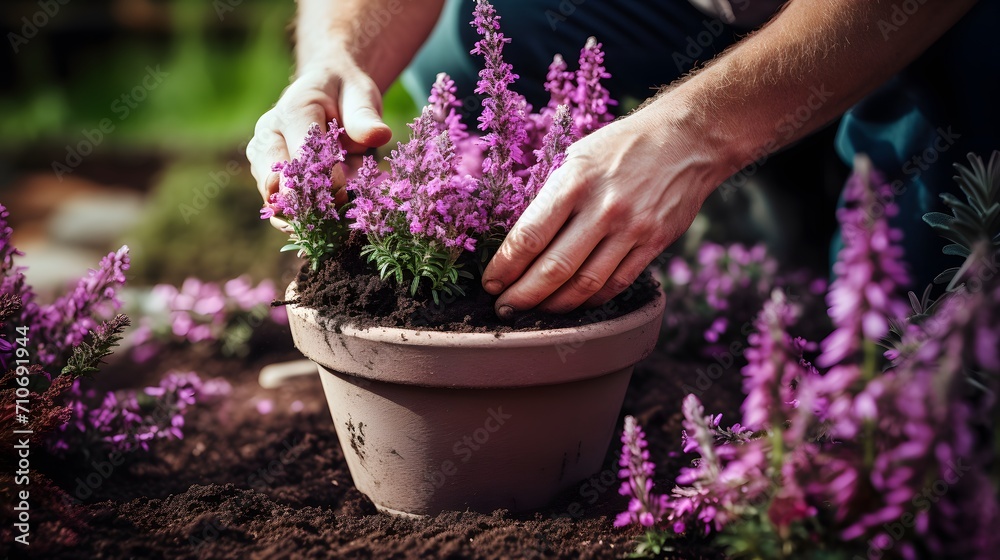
x: 801, y: 71
x: 381, y: 36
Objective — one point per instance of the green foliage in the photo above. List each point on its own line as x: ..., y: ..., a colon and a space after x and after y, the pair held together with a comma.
x: 319, y: 243
x: 974, y: 230
x: 755, y: 537
x: 88, y: 355
x: 975, y: 220
x: 652, y: 544
x: 417, y: 260
x: 222, y: 72
x: 186, y: 233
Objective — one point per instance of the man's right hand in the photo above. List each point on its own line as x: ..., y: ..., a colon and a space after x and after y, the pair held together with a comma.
x: 332, y: 87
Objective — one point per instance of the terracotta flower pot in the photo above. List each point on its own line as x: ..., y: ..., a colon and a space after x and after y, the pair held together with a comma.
x: 435, y: 421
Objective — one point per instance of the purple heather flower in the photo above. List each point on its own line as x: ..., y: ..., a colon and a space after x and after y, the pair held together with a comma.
x: 722, y: 482
x: 372, y: 206
x: 591, y: 97
x: 66, y: 322
x: 644, y: 508
x: 774, y: 365
x: 120, y: 423
x: 310, y: 198
x: 503, y: 117
x: 869, y: 269
x: 307, y: 193
x: 12, y: 276
x: 559, y: 82
x: 424, y: 194
x: 444, y: 107
x: 581, y: 90
x: 719, y: 288
x: 548, y: 158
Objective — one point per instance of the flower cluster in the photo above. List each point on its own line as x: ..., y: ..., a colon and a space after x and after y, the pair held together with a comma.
x: 890, y: 456
x: 869, y: 270
x: 127, y: 421
x: 60, y: 326
x: 422, y: 216
x: 11, y: 275
x: 70, y: 339
x: 582, y: 91
x: 310, y: 198
x: 447, y: 194
x: 712, y: 293
x: 503, y: 118
x: 205, y: 312
x: 644, y: 507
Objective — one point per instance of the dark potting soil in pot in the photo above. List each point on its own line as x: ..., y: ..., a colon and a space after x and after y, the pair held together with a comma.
x: 348, y: 291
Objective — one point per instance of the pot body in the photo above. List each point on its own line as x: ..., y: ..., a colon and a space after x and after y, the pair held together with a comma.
x: 435, y: 421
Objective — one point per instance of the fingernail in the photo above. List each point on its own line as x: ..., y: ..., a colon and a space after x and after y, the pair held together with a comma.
x: 493, y: 287
x: 505, y: 312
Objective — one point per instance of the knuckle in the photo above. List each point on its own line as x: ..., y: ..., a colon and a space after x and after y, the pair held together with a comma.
x: 568, y: 178
x: 264, y: 123
x: 587, y: 282
x: 618, y: 283
x: 614, y: 210
x: 556, y: 268
x: 527, y: 238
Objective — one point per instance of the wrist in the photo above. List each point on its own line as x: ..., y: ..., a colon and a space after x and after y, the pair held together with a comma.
x: 686, y: 130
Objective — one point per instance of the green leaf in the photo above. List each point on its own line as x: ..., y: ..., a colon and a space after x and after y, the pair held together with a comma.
x: 289, y: 247
x: 946, y: 276
x: 956, y: 250
x: 938, y: 219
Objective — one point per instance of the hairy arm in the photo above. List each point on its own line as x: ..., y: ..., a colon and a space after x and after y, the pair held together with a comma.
x: 816, y: 57
x: 381, y: 36
x: 632, y: 188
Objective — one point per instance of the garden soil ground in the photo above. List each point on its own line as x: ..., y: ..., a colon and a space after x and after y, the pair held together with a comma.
x: 243, y: 484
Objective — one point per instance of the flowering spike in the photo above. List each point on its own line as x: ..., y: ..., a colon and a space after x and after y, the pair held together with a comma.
x: 370, y: 207
x: 644, y: 508
x: 308, y: 198
x: 503, y: 116
x: 869, y: 269
x: 592, y: 98
x: 444, y: 107
x: 774, y: 364
x: 68, y: 320
x: 12, y: 276
x: 550, y: 156
x: 559, y: 82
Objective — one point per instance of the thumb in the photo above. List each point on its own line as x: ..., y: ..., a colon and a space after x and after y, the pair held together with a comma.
x: 361, y: 106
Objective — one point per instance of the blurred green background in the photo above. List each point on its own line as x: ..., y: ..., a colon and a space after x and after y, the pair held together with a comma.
x: 177, y: 86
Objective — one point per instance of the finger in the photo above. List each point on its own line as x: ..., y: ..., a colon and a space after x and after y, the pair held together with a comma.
x: 295, y: 124
x: 281, y: 225
x: 623, y: 277
x: 360, y: 109
x: 553, y: 268
x: 265, y: 149
x: 531, y: 234
x: 591, y: 277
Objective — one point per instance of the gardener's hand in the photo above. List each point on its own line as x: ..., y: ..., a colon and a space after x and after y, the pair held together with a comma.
x: 624, y: 193
x: 333, y: 87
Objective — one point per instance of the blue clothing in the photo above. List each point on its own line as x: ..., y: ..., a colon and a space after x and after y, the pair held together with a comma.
x: 925, y: 119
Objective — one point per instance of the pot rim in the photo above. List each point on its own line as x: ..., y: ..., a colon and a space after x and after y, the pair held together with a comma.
x: 528, y: 338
